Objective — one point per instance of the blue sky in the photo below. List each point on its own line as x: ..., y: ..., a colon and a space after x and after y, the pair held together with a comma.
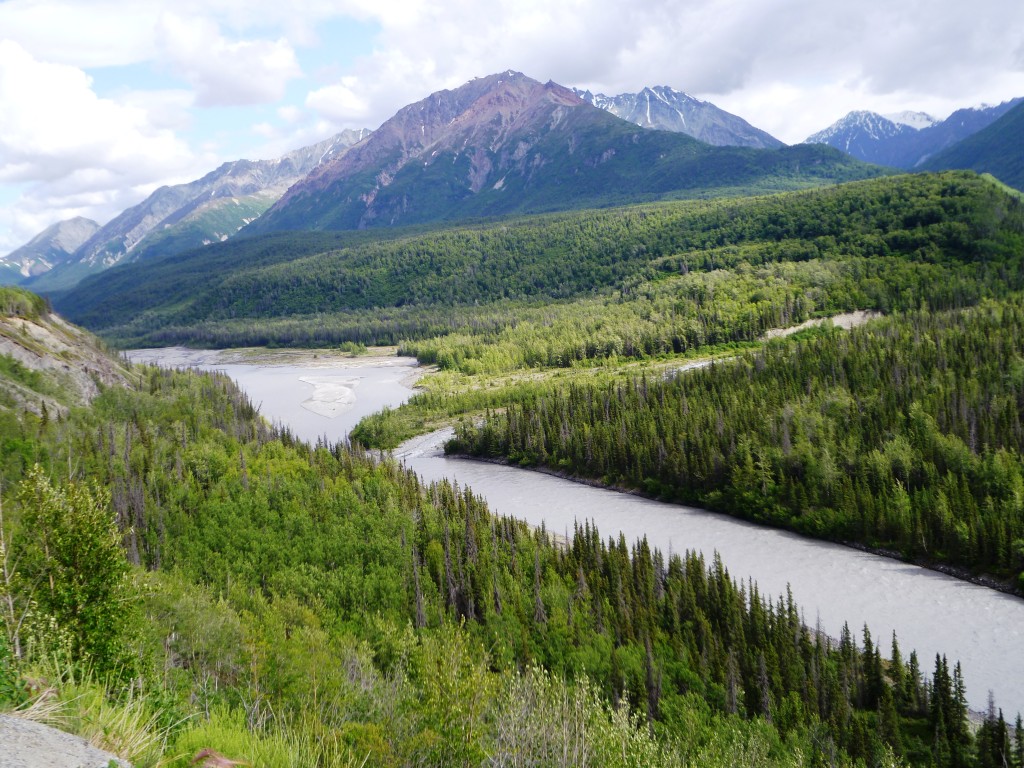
x: 101, y: 101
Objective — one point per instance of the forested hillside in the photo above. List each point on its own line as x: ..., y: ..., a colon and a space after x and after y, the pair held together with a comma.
x: 944, y: 240
x: 290, y: 604
x: 904, y: 435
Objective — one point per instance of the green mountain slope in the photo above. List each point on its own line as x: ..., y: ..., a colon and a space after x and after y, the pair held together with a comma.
x: 362, y: 289
x: 997, y: 149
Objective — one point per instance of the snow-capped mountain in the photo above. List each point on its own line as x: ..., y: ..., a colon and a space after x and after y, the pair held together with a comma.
x: 905, y: 139
x: 176, y: 218
x: 667, y: 109
x: 54, y: 245
x: 867, y: 136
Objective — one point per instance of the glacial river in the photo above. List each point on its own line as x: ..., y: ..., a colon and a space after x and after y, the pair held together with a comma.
x: 930, y: 612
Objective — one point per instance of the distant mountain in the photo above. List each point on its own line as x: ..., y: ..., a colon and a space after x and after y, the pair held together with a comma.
x: 905, y: 139
x: 870, y: 137
x: 997, y: 149
x: 51, y: 247
x: 508, y: 144
x: 667, y: 109
x: 211, y: 209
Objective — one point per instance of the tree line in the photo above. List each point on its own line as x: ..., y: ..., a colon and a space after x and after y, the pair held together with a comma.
x: 899, y: 235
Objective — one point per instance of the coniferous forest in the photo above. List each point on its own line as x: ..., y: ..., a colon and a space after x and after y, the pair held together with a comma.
x: 943, y: 240
x: 243, y: 618
x: 177, y: 571
x: 905, y: 435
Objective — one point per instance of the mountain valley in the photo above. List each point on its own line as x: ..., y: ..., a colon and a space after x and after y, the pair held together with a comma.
x: 634, y: 293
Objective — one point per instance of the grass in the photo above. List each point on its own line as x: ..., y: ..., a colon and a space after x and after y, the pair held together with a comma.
x: 129, y: 725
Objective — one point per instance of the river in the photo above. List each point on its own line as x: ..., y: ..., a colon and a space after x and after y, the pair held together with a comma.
x: 930, y: 612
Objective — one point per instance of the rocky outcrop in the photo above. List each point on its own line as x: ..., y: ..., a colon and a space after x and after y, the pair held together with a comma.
x: 27, y: 744
x: 73, y: 365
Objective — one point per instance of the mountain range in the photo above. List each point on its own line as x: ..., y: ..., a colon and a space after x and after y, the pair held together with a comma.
x: 908, y: 139
x: 997, y: 149
x: 508, y: 144
x: 184, y: 216
x: 52, y: 247
x: 500, y: 145
x: 176, y: 218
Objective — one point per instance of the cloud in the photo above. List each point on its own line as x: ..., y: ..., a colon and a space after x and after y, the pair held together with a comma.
x: 702, y: 46
x: 99, y: 33
x: 68, y: 149
x: 339, y: 102
x: 226, y: 73
x: 822, y: 57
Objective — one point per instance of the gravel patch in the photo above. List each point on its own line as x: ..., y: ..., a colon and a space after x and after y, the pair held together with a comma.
x: 25, y: 744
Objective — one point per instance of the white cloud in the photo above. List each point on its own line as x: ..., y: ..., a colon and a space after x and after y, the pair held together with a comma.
x: 171, y: 109
x: 339, y: 102
x: 266, y: 130
x: 226, y: 73
x: 289, y: 114
x: 97, y: 33
x: 68, y: 149
x: 827, y: 58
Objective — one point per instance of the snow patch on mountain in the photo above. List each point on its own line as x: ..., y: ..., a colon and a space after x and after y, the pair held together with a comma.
x: 857, y: 126
x: 666, y: 109
x: 915, y: 120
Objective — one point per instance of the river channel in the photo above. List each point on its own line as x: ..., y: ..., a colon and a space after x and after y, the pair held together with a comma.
x: 930, y: 612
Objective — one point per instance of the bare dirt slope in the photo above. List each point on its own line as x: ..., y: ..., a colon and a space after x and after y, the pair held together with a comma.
x: 73, y: 365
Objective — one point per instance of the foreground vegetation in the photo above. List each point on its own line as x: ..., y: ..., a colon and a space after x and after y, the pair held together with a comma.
x: 290, y: 604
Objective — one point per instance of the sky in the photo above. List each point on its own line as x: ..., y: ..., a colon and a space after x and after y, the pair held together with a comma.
x: 103, y: 101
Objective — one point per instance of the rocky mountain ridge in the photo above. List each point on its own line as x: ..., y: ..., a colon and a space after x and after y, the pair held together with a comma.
x: 507, y: 144
x: 53, y: 246
x: 209, y: 209
x: 59, y: 365
x: 666, y: 109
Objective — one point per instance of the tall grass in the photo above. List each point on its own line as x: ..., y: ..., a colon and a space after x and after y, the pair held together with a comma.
x: 126, y: 723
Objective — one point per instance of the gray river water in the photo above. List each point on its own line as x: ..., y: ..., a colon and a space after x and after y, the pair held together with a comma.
x: 929, y: 612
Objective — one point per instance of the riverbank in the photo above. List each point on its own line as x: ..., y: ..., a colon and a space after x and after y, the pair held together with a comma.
x: 835, y: 585
x: 946, y: 569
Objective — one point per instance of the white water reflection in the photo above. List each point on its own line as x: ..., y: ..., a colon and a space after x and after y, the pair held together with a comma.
x: 930, y: 612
